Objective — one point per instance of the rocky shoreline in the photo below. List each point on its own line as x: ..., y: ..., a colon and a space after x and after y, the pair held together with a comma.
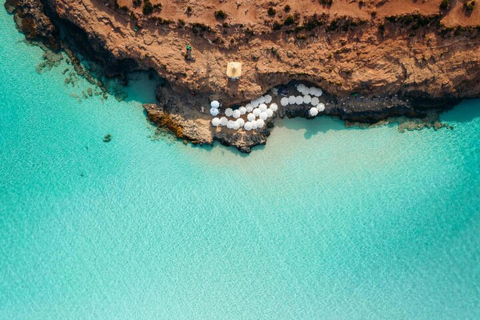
x: 364, y: 78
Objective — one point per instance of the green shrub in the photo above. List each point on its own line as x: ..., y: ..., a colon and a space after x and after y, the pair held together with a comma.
x: 147, y: 7
x: 137, y: 3
x: 289, y: 21
x: 271, y: 12
x: 287, y: 8
x: 327, y: 2
x: 220, y: 14
x: 444, y: 5
x: 469, y: 6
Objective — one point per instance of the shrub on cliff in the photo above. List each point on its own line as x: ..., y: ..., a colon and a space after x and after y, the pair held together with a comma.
x: 147, y: 7
x: 137, y: 3
x: 289, y: 21
x: 469, y: 6
x: 271, y: 12
x: 220, y: 14
x: 444, y: 5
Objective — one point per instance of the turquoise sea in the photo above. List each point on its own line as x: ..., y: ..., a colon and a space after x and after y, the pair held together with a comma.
x: 324, y: 222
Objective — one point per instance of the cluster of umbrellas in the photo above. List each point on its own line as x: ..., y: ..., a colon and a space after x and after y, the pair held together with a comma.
x: 258, y: 110
x: 257, y: 113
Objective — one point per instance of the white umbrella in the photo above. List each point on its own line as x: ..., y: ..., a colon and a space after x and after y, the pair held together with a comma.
x: 214, y: 112
x: 262, y: 107
x: 255, y: 102
x: 254, y: 125
x: 230, y: 124
x: 261, y: 100
x: 236, y: 126
x: 301, y: 87
x: 228, y: 112
x: 260, y: 123
x: 251, y: 117
x: 257, y: 112
x: 223, y: 121
x: 242, y: 110
x: 236, y: 114
x: 313, y: 111
x: 263, y: 116
x: 269, y: 112
x: 249, y: 107
x: 317, y: 92
x: 274, y: 107
x: 248, y: 126
x: 307, y: 99
x: 315, y: 101
x: 284, y: 101
x: 291, y: 100
x: 268, y: 98
x: 240, y: 122
x: 299, y: 100
x: 215, y: 104
x: 215, y: 122
x: 321, y: 107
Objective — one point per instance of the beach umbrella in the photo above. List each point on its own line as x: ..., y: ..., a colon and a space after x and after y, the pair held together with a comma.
x: 242, y: 110
x: 254, y: 125
x: 299, y: 100
x: 215, y: 104
x: 313, y: 111
x: 257, y: 112
x: 215, y: 122
x: 317, y: 92
x: 261, y: 100
x: 236, y: 114
x: 249, y: 107
x: 255, y: 102
x: 274, y: 107
x: 240, y: 122
x: 223, y: 121
x: 301, y: 87
x: 321, y: 107
x: 236, y: 126
x: 315, y: 101
x: 292, y: 99
x: 307, y: 99
x: 262, y: 107
x: 263, y: 115
x: 228, y: 112
x: 268, y: 98
x: 284, y: 101
x: 269, y: 112
x: 230, y: 124
x: 251, y: 117
x: 214, y: 112
x: 248, y: 126
x: 260, y: 123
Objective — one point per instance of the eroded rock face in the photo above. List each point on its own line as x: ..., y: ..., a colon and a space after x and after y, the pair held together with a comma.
x: 399, y: 57
x: 31, y: 19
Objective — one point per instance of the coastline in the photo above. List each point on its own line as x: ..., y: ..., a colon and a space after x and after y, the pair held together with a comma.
x: 181, y: 97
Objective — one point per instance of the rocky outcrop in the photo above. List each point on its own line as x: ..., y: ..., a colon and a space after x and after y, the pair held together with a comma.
x: 31, y: 19
x: 398, y: 58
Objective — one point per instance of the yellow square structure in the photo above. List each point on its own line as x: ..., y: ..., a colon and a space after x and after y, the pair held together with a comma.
x: 234, y: 70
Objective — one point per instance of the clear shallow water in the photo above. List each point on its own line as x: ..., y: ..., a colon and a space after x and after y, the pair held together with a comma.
x: 323, y: 222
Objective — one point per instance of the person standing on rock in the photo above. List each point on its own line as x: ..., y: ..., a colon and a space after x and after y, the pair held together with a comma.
x: 188, y: 56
